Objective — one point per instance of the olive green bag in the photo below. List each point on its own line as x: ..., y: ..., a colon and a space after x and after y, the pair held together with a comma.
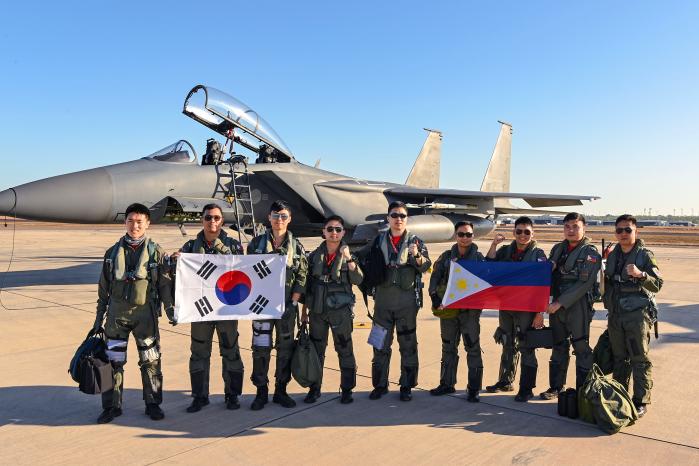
x: 305, y: 364
x: 605, y: 402
x: 602, y: 354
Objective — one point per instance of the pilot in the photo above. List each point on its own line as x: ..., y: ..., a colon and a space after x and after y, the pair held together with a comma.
x: 456, y: 324
x: 329, y: 296
x: 278, y: 239
x: 631, y: 280
x: 397, y: 298
x: 513, y: 325
x: 576, y: 263
x: 212, y: 239
x: 135, y: 278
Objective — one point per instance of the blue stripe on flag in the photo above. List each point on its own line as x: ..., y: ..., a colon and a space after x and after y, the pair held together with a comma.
x: 510, y: 273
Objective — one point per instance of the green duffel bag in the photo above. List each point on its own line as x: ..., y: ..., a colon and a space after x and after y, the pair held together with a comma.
x: 606, y: 401
x: 305, y: 364
x: 602, y: 354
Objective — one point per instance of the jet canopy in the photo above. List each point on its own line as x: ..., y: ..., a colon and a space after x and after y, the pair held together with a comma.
x: 224, y: 113
x: 179, y: 152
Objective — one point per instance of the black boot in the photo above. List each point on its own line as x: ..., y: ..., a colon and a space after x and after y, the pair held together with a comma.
x: 555, y: 386
x: 378, y: 390
x: 527, y: 381
x: 197, y: 404
x: 108, y: 415
x: 580, y: 377
x: 499, y: 387
x: 281, y: 397
x: 475, y: 382
x: 261, y: 398
x: 154, y: 412
x: 405, y: 394
x: 442, y: 390
x: 235, y: 380
x: 346, y: 397
x: 313, y: 395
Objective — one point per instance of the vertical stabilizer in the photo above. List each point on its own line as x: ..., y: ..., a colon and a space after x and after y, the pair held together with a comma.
x: 497, y: 177
x: 425, y: 172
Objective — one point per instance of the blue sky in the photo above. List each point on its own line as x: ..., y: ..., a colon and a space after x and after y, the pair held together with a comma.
x: 603, y: 96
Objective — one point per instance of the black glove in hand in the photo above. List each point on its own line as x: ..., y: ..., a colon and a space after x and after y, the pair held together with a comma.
x: 436, y: 302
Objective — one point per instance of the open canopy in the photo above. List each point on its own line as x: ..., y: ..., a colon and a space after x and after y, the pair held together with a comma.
x: 222, y: 113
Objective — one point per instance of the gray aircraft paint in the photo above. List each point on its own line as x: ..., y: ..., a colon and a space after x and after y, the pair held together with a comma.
x: 176, y: 190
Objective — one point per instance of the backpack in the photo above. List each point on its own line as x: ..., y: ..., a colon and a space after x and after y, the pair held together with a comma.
x: 305, y: 364
x: 90, y: 366
x: 605, y: 402
x: 602, y: 354
x: 373, y: 267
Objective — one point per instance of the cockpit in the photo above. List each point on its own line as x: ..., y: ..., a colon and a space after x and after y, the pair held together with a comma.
x: 242, y: 127
x: 179, y: 152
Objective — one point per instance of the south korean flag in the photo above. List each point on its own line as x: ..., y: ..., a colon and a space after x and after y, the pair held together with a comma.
x: 229, y: 287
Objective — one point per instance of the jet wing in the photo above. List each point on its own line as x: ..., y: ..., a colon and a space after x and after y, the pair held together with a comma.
x: 534, y: 200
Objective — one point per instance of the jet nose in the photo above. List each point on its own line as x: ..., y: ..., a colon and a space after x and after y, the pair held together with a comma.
x: 8, y: 200
x: 84, y: 196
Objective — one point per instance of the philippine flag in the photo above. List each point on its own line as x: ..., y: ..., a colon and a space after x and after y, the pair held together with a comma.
x: 512, y: 286
x: 226, y: 287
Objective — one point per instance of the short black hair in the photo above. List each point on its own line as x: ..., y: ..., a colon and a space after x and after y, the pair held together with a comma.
x: 574, y: 216
x: 625, y: 218
x: 211, y: 206
x: 336, y: 218
x: 396, y: 205
x: 462, y: 223
x: 137, y: 208
x: 524, y: 220
x: 279, y: 205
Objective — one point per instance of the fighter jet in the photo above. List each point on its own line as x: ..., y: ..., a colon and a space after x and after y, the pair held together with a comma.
x: 253, y: 167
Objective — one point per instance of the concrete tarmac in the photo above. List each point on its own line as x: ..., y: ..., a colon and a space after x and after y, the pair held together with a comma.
x: 48, y: 305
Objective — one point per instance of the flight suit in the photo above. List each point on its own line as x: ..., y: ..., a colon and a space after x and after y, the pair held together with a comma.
x: 202, y: 333
x: 296, y: 270
x: 630, y: 302
x: 330, y: 299
x: 574, y: 277
x: 457, y: 323
x: 132, y: 284
x: 396, y: 307
x: 513, y: 325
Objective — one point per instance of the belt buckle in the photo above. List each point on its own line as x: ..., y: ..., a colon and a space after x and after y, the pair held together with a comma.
x: 325, y: 278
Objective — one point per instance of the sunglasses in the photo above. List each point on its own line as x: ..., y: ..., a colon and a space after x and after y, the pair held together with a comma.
x: 209, y: 218
x: 397, y: 215
x: 462, y: 234
x: 523, y: 232
x: 624, y: 230
x: 335, y: 229
x: 276, y: 216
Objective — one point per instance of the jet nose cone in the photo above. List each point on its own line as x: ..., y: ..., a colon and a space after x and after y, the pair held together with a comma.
x: 8, y: 201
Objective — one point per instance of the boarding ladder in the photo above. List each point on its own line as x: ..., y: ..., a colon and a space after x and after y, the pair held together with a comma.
x: 233, y: 187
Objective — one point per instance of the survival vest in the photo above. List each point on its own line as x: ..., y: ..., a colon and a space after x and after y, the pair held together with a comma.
x: 531, y: 254
x: 573, y: 266
x: 329, y: 287
x: 622, y: 292
x: 137, y: 285
x: 224, y: 244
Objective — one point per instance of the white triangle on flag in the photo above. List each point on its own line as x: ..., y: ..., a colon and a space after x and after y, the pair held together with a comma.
x: 461, y: 284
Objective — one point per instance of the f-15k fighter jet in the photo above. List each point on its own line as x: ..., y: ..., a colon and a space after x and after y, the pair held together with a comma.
x: 253, y: 167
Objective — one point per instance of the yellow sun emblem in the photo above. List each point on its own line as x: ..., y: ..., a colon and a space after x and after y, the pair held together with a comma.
x: 461, y: 284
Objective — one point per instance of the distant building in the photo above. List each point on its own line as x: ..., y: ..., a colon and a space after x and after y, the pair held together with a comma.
x: 652, y: 223
x: 682, y: 223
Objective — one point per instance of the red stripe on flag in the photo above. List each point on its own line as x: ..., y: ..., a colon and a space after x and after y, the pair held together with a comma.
x: 510, y: 298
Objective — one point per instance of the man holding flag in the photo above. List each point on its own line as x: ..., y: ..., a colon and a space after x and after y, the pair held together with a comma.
x: 576, y: 264
x: 278, y: 240
x: 513, y: 325
x: 457, y: 323
x: 213, y: 240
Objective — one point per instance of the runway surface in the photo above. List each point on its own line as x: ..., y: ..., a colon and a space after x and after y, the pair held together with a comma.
x: 48, y: 300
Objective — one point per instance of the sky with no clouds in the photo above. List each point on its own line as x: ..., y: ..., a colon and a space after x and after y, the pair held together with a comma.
x: 602, y: 96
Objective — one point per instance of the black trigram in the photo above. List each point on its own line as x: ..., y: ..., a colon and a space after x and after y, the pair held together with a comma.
x: 203, y: 306
x: 262, y: 269
x: 206, y: 270
x: 259, y: 305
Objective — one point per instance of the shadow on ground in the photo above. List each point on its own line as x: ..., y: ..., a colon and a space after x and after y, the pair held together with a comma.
x: 64, y: 406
